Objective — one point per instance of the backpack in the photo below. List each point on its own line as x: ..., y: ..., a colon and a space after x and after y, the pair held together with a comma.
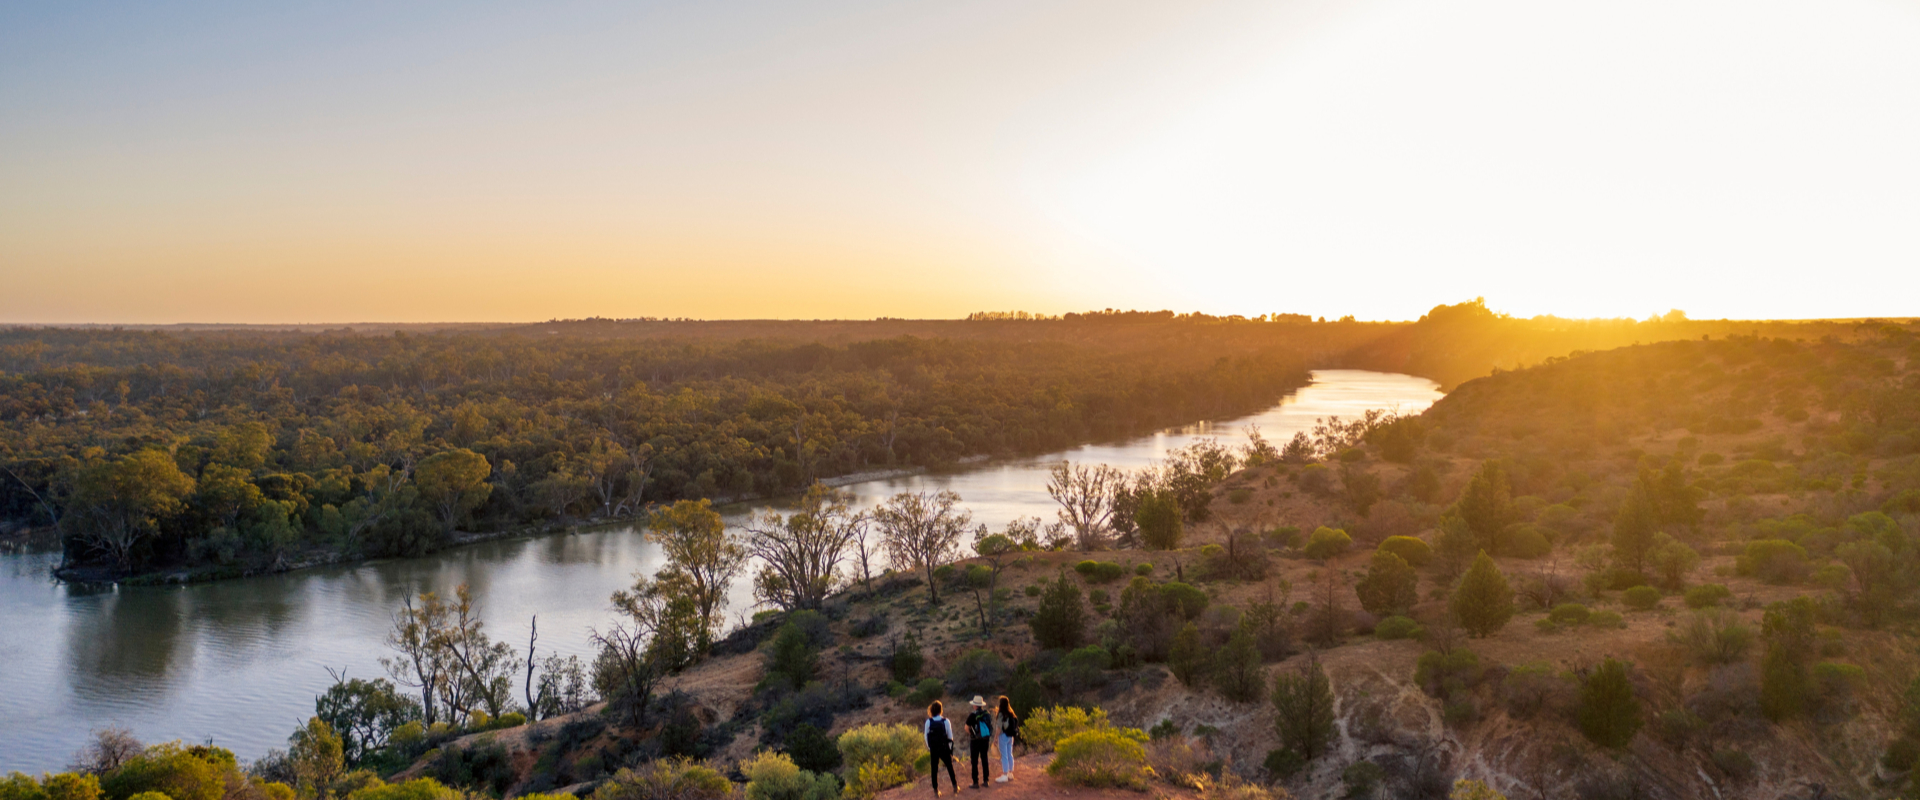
x: 982, y: 725
x: 1010, y: 726
x: 939, y: 738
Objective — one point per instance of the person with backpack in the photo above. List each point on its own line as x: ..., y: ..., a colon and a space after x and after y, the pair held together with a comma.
x: 1006, y: 728
x: 939, y: 733
x: 979, y: 740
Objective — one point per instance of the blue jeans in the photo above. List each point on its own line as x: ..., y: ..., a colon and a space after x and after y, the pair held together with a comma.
x: 1006, y: 753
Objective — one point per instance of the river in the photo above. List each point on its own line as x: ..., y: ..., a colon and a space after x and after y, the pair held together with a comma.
x: 239, y: 662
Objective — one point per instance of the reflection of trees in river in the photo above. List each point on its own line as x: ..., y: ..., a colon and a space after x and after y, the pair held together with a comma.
x: 244, y: 617
x: 127, y: 644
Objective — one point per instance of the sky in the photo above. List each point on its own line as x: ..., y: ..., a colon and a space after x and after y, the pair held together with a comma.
x: 357, y: 161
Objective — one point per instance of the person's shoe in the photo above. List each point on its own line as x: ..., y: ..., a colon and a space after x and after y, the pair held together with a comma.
x: 1002, y: 779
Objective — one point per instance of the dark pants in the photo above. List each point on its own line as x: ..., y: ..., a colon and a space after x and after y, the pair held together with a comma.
x: 934, y: 769
x: 979, y: 767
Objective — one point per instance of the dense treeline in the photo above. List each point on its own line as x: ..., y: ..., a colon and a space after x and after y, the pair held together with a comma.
x: 254, y: 450
x: 1453, y: 344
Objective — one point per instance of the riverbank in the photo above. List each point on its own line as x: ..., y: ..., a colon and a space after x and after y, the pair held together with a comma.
x: 103, y: 576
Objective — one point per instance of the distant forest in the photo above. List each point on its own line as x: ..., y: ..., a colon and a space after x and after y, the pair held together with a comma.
x: 233, y: 451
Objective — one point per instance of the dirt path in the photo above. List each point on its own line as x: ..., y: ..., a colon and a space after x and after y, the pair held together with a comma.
x: 1030, y: 782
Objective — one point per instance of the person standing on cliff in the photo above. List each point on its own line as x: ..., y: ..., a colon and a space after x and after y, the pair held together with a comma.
x: 939, y: 733
x: 979, y: 742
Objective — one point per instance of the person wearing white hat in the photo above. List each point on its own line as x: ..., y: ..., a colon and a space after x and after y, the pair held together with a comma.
x: 979, y: 739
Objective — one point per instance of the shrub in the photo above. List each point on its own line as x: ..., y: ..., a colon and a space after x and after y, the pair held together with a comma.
x: 1524, y: 541
x: 1100, y: 571
x: 1239, y: 497
x: 792, y: 660
x: 907, y: 660
x: 927, y: 691
x: 1047, y: 726
x: 1325, y: 543
x: 1901, y: 755
x: 1061, y: 620
x: 1734, y: 763
x: 1389, y: 586
x: 1609, y: 715
x: 1397, y: 628
x: 182, y: 773
x: 1362, y: 778
x: 977, y: 670
x: 1284, y: 763
x: 1707, y: 595
x: 1188, y: 656
x: 1568, y: 614
x: 812, y: 750
x: 1183, y: 598
x: 1435, y: 670
x: 416, y: 789
x: 878, y: 757
x: 1083, y: 669
x: 1483, y: 602
x: 1606, y: 620
x: 666, y: 779
x: 1179, y: 760
x: 1115, y: 757
x: 60, y: 786
x: 1641, y: 598
x: 1411, y: 550
x: 1143, y: 568
x: 872, y: 779
x: 774, y: 776
x: 1714, y: 636
x: 1775, y: 561
x: 1032, y: 590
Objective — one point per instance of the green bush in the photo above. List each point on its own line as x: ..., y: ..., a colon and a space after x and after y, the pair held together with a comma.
x: 1714, y: 636
x: 977, y: 671
x: 1641, y: 598
x: 1524, y: 541
x: 812, y: 750
x: 1327, y: 542
x: 1184, y: 598
x: 1606, y: 620
x: 1707, y: 595
x: 1411, y: 550
x: 874, y: 758
x: 1060, y: 622
x: 1047, y: 726
x: 1776, y: 561
x: 1397, y: 628
x: 1284, y: 763
x: 1100, y: 571
x: 774, y: 776
x: 1901, y: 755
x: 182, y: 773
x: 927, y: 691
x: 907, y: 660
x: 1143, y: 568
x: 1568, y: 614
x: 666, y: 779
x: 59, y: 786
x: 416, y: 789
x: 1239, y: 497
x: 1111, y: 757
x: 1032, y: 590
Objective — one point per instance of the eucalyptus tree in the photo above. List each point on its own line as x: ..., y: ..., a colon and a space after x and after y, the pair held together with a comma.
x: 921, y: 531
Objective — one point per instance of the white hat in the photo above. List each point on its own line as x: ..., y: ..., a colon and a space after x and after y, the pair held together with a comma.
x: 979, y: 701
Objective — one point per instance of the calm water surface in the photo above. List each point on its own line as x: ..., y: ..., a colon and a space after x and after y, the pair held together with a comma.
x: 239, y: 662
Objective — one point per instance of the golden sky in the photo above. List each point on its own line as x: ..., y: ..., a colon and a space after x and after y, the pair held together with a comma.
x: 337, y: 162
